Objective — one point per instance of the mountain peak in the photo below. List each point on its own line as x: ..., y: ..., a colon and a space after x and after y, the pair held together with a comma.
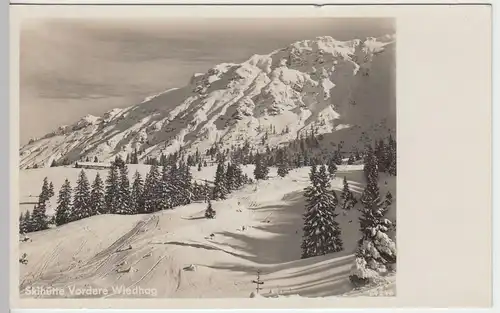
x: 324, y: 83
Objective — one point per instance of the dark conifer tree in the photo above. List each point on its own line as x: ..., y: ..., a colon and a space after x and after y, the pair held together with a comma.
x: 39, y: 216
x: 185, y: 183
x: 51, y: 190
x: 381, y: 155
x: 210, y: 212
x: 370, y: 165
x: 136, y: 195
x: 332, y: 167
x: 322, y: 234
x: 28, y: 222
x: 45, y: 193
x: 338, y: 157
x: 134, y: 159
x: 22, y: 223
x: 96, y: 160
x: 81, y: 199
x: 112, y: 197
x: 168, y: 192
x: 283, y: 169
x: 220, y: 185
x: 230, y: 177
x: 199, y: 166
x: 392, y: 160
x: 64, y: 207
x: 97, y: 202
x: 348, y: 199
x: 124, y: 206
x: 261, y: 170
x: 239, y: 178
x: 152, y: 190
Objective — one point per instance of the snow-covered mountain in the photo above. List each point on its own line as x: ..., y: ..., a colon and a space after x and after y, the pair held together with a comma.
x: 342, y: 88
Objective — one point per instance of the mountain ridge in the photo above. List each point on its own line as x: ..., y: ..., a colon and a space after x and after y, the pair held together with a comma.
x: 341, y: 88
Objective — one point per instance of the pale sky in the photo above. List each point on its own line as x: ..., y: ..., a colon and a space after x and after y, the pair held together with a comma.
x: 70, y: 68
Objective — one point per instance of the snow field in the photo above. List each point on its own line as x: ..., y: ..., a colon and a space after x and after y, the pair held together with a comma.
x: 257, y: 228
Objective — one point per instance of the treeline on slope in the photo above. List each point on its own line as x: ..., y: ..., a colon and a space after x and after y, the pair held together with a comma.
x: 163, y: 188
x: 376, y: 252
x: 309, y: 149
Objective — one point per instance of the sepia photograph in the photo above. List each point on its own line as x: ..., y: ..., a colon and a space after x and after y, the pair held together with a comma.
x: 197, y: 158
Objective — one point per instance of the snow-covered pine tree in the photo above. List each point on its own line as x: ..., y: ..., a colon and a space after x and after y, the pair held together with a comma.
x: 152, y: 190
x: 199, y: 166
x: 136, y: 195
x: 112, y: 196
x: 210, y: 212
x: 220, y: 190
x: 97, y: 202
x: 376, y: 251
x: 63, y: 210
x: 124, y: 206
x: 81, y: 199
x: 322, y: 234
x: 348, y: 199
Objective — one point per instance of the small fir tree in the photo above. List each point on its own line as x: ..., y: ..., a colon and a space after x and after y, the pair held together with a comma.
x: 210, y: 212
x: 81, y: 201
x: 97, y: 197
x: 63, y: 210
x: 322, y: 234
x: 136, y: 195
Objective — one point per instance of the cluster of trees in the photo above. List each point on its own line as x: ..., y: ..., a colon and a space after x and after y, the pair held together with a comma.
x: 383, y: 158
x: 227, y: 178
x: 164, y: 187
x: 37, y: 219
x: 321, y: 231
x: 376, y: 252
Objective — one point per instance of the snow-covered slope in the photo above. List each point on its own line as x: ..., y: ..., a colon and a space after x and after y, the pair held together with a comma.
x: 344, y: 88
x: 89, y: 252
